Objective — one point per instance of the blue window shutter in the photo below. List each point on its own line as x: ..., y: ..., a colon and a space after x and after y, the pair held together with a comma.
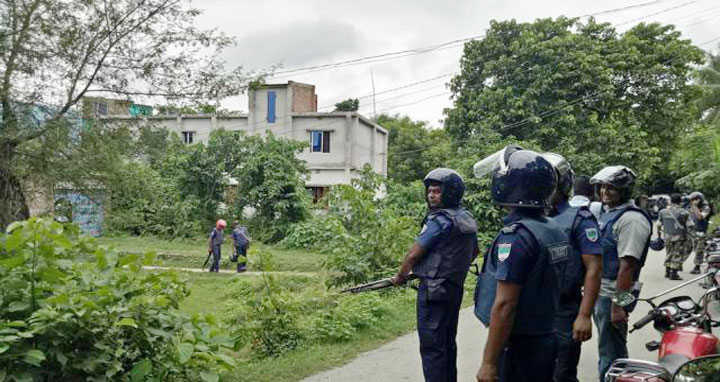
x: 271, y: 107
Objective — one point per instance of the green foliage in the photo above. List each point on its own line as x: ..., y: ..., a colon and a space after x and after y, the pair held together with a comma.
x: 271, y: 182
x: 413, y: 148
x: 350, y: 104
x: 583, y: 90
x: 352, y: 313
x: 708, y: 77
x: 75, y: 311
x: 320, y: 234
x: 267, y: 319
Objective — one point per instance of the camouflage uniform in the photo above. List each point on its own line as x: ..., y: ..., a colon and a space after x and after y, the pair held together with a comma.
x: 674, y: 223
x: 700, y: 233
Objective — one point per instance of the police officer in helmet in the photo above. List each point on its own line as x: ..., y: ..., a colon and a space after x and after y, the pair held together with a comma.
x: 441, y: 257
x: 519, y: 287
x: 625, y: 235
x: 581, y: 282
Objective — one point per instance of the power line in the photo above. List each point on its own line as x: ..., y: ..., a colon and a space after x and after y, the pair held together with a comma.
x: 621, y: 9
x: 658, y: 13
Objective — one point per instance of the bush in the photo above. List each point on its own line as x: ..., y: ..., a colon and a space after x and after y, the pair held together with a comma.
x: 321, y: 233
x: 74, y: 311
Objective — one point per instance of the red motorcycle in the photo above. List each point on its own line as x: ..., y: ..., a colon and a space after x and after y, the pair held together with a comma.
x: 686, y: 328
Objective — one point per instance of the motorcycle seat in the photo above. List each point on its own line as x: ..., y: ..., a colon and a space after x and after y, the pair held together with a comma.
x: 672, y: 362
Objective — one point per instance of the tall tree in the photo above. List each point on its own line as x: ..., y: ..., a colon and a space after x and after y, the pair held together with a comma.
x: 584, y: 90
x: 709, y: 79
x: 413, y: 148
x: 55, y: 52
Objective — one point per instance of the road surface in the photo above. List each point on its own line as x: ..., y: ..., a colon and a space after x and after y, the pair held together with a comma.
x: 399, y: 360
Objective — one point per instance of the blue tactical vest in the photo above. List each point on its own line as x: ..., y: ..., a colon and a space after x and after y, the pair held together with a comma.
x: 450, y: 258
x: 540, y: 293
x: 611, y: 262
x: 568, y: 220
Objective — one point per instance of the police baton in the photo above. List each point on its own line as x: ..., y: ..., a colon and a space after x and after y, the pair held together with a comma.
x: 375, y: 285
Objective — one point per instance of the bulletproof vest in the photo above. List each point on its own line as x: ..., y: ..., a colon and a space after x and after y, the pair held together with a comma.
x: 673, y: 221
x: 701, y: 225
x: 611, y: 262
x: 568, y: 220
x: 450, y: 258
x: 540, y: 293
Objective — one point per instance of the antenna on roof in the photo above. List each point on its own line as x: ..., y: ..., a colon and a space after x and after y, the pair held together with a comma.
x: 372, y: 80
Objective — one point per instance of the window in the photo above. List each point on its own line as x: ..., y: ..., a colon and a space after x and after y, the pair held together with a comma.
x: 187, y: 137
x: 320, y: 141
x: 101, y: 108
x: 271, y: 107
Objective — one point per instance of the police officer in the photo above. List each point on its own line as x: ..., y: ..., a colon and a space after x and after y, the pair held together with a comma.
x: 675, y: 224
x: 700, y: 213
x: 241, y: 242
x: 625, y: 234
x: 441, y: 257
x: 215, y: 241
x: 573, y: 323
x: 518, y: 290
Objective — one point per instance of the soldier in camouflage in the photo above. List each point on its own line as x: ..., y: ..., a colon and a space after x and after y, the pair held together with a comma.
x: 675, y: 224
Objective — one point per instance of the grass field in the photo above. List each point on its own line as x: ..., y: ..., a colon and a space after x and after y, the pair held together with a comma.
x: 192, y: 253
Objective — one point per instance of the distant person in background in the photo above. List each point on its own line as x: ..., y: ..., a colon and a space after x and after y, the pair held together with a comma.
x: 215, y: 241
x: 241, y: 240
x: 700, y: 213
x: 584, y: 195
x: 675, y: 224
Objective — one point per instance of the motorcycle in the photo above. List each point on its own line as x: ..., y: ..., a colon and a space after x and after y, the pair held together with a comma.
x: 686, y: 328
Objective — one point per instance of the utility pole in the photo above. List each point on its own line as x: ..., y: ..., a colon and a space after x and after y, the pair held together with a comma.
x: 372, y: 80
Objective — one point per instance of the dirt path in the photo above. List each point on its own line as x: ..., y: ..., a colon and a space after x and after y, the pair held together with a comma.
x: 399, y: 360
x: 229, y: 271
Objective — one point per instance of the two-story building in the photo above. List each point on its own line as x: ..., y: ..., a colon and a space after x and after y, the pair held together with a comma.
x: 340, y: 143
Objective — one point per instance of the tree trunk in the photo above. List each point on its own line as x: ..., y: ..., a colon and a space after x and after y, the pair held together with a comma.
x: 13, y: 206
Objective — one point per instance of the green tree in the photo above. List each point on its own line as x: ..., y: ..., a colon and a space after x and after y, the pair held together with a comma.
x: 413, y: 148
x: 350, y: 104
x: 53, y: 53
x: 709, y: 79
x: 583, y: 90
x: 271, y: 181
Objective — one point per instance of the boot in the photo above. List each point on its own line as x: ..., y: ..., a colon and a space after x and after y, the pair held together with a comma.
x: 674, y: 275
x: 696, y: 270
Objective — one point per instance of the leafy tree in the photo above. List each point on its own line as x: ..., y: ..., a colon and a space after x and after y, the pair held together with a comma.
x: 271, y: 182
x: 350, y: 104
x: 53, y: 53
x: 583, y: 90
x: 75, y: 311
x: 709, y: 79
x: 413, y: 148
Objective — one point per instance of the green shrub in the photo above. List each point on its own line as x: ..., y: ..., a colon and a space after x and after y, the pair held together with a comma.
x: 321, y: 233
x: 72, y: 310
x: 351, y: 314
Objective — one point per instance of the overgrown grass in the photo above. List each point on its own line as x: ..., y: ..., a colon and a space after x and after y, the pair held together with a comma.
x: 193, y: 252
x: 210, y: 295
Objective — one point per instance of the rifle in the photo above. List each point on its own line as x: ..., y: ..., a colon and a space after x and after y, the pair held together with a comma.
x: 206, y: 260
x: 375, y: 285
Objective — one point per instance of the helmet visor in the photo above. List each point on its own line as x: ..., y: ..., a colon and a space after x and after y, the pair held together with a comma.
x: 496, y: 161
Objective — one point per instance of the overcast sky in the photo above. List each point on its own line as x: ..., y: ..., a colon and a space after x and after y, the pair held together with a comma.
x: 307, y: 33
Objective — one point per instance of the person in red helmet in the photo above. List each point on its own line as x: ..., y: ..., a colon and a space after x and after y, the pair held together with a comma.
x: 215, y: 241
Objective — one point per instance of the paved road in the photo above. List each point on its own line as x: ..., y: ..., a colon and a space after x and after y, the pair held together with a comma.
x: 399, y: 360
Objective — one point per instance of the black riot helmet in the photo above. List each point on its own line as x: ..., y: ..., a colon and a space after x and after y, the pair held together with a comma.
x: 453, y: 186
x: 565, y: 173
x: 525, y: 179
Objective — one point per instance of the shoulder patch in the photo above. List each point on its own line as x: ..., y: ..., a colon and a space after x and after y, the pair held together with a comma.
x: 504, y: 251
x: 509, y: 229
x: 592, y: 234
